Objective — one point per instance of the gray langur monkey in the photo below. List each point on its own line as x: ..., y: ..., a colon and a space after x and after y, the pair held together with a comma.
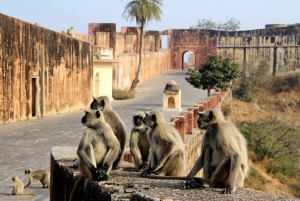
x: 97, y: 150
x: 70, y: 31
x: 18, y: 186
x: 167, y: 152
x: 140, y: 141
x: 223, y: 154
x: 103, y: 104
x: 42, y: 175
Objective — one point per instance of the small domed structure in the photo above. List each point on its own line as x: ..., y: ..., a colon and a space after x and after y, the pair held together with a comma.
x: 171, y: 87
x: 172, y: 97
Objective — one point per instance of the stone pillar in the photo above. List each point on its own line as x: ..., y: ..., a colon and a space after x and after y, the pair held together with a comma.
x: 172, y: 97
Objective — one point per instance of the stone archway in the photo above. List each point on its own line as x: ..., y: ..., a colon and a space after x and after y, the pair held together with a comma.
x: 200, y: 41
x: 190, y: 56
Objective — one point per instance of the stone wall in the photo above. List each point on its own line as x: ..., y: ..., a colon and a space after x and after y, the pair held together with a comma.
x: 42, y: 72
x: 153, y: 63
x: 280, y: 52
x: 240, y: 45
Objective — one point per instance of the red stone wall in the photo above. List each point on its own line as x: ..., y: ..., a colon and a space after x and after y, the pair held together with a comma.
x: 42, y: 72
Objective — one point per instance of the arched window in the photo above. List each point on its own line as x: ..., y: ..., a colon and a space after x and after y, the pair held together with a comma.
x: 171, y: 102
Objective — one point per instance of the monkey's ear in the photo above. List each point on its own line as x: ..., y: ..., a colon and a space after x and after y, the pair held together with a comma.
x: 102, y: 103
x: 211, y: 115
x: 154, y: 118
x: 97, y: 114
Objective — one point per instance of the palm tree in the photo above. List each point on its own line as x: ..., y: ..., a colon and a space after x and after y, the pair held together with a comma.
x: 142, y: 11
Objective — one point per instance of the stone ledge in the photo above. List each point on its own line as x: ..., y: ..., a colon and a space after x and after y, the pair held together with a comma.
x: 129, y: 185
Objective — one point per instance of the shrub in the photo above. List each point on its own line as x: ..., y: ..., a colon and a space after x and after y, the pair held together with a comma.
x: 244, y: 91
x: 255, y: 180
x: 120, y: 94
x: 277, y: 141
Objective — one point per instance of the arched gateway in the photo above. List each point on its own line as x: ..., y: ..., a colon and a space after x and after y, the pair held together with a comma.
x: 194, y: 40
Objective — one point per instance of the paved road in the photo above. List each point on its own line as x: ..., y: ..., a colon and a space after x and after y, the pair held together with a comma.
x: 28, y: 143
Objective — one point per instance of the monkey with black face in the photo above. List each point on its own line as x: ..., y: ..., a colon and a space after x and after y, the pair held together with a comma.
x: 140, y: 142
x: 223, y: 153
x: 103, y: 104
x: 18, y: 186
x: 167, y: 153
x: 41, y: 175
x: 97, y: 150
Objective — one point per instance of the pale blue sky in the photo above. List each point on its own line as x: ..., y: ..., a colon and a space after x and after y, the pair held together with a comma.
x: 59, y: 15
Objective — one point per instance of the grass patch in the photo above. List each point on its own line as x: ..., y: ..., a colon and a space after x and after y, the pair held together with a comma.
x: 123, y: 94
x: 255, y: 180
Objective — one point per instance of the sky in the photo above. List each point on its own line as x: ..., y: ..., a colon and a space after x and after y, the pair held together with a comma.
x: 59, y: 15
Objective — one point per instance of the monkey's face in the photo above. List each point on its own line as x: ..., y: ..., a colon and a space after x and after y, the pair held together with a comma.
x: 138, y: 120
x: 91, y: 118
x: 148, y: 120
x: 27, y: 171
x: 205, y: 119
x: 15, y: 178
x: 97, y: 104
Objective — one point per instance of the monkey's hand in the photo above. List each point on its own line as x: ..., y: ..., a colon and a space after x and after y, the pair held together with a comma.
x: 229, y: 190
x: 189, y: 183
x: 99, y: 174
x: 194, y: 183
x: 150, y: 170
x: 144, y: 166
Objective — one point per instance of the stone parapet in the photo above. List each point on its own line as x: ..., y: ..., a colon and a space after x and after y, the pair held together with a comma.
x: 129, y: 185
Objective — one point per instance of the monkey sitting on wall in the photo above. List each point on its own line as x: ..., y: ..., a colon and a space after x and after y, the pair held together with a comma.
x: 167, y: 153
x: 18, y: 186
x: 70, y: 31
x: 41, y: 175
x: 139, y: 141
x: 97, y: 150
x: 103, y: 104
x: 223, y: 154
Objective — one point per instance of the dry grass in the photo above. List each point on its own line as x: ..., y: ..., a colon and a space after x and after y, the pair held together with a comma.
x: 122, y: 94
x: 270, y: 99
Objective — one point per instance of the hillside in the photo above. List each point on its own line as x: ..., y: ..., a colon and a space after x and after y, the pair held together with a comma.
x: 278, y: 96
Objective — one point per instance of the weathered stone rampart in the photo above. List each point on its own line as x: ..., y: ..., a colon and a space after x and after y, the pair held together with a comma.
x: 42, y: 72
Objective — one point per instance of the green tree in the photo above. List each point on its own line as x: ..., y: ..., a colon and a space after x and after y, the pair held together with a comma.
x: 232, y: 24
x: 216, y: 73
x: 142, y: 11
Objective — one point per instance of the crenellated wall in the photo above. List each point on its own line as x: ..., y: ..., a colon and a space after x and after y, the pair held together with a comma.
x: 42, y: 72
x: 126, y: 52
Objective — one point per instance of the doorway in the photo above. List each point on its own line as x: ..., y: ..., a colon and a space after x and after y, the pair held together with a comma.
x: 33, y: 97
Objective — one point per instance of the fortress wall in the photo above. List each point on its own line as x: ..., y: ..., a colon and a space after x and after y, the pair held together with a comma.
x: 281, y: 52
x: 42, y: 72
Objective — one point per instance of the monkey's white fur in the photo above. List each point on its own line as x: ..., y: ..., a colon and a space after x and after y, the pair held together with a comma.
x: 18, y: 186
x: 223, y: 152
x: 140, y: 140
x: 103, y: 104
x: 167, y: 152
x: 42, y: 175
